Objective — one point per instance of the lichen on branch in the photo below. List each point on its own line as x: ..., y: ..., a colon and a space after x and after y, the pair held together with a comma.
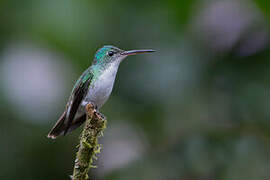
x: 89, y: 148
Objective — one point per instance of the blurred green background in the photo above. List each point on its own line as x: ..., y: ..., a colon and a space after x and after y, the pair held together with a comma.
x: 197, y: 109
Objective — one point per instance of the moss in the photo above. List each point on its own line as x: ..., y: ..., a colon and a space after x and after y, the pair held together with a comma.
x: 89, y: 148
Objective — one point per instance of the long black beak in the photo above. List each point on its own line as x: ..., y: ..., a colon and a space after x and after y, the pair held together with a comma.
x: 133, y: 52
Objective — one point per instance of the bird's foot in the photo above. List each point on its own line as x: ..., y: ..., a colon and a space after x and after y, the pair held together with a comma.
x: 91, y: 110
x: 99, y: 115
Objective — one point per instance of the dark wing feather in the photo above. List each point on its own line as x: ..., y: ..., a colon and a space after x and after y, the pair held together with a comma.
x: 78, y: 94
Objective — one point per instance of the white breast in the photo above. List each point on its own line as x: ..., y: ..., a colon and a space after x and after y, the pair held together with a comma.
x: 101, y: 88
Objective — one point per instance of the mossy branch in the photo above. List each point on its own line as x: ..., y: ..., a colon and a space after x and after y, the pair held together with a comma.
x: 88, y: 148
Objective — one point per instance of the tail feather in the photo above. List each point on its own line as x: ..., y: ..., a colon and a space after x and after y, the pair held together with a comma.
x: 59, y: 127
x: 77, y: 122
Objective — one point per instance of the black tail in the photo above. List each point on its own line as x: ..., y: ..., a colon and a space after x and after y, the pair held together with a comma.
x: 60, y: 126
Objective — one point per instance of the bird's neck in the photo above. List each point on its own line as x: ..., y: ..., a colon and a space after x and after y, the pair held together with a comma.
x: 99, y: 69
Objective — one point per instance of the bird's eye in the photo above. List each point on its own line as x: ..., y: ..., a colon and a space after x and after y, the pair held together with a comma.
x: 110, y: 53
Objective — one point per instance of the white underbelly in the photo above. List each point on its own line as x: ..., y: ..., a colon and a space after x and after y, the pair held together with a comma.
x: 97, y: 94
x: 100, y: 90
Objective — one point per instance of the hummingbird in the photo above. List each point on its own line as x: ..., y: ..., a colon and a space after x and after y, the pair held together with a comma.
x: 93, y: 86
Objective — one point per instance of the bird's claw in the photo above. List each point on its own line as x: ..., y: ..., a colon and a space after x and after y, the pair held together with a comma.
x: 99, y: 115
x: 91, y: 110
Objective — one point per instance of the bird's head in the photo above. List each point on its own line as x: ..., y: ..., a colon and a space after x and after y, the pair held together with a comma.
x: 108, y: 54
